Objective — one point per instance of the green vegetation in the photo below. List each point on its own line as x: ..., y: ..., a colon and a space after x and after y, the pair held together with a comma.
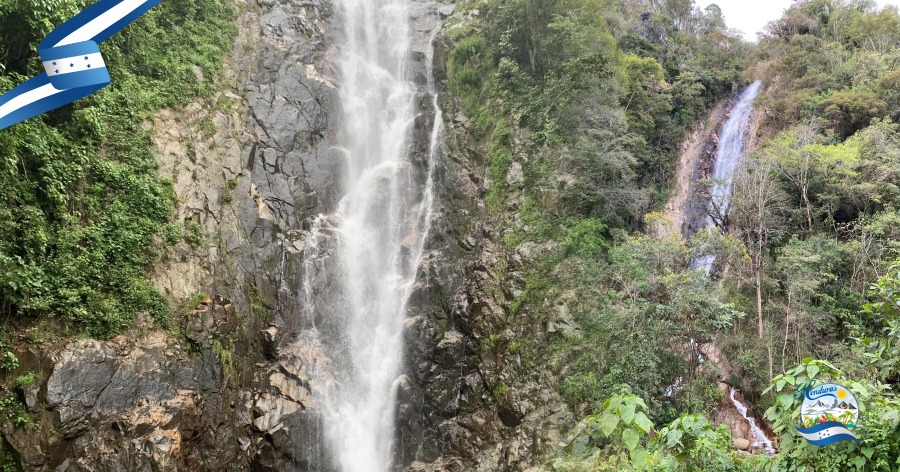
x: 691, y: 443
x: 226, y: 359
x: 81, y: 204
x: 590, y: 98
x: 9, y: 361
x: 15, y: 411
x: 590, y: 95
x: 24, y: 381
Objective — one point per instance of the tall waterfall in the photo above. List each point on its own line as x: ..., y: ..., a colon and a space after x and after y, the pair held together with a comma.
x: 367, y: 253
x: 732, y: 146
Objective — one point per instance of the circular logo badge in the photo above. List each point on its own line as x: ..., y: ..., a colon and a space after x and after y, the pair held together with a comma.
x: 829, y: 403
x: 829, y: 413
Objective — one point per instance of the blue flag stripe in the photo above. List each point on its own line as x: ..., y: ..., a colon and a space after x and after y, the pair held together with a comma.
x: 67, y: 78
x: 63, y: 33
x: 819, y: 427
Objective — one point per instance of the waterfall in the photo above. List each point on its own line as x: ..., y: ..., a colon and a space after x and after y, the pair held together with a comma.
x: 732, y: 146
x: 366, y: 254
x: 759, y: 436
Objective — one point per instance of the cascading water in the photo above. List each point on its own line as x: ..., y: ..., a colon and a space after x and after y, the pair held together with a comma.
x: 367, y: 253
x: 759, y: 436
x: 732, y: 146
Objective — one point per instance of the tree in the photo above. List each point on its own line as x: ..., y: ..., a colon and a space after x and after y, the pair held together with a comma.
x: 877, y: 32
x: 796, y: 163
x: 850, y: 111
x: 713, y: 18
x: 889, y: 90
x: 758, y: 209
x: 803, y: 266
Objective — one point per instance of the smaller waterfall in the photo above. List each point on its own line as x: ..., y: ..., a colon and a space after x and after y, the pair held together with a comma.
x: 759, y: 436
x: 732, y: 146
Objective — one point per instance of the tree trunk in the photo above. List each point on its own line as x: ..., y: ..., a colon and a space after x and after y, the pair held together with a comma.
x: 804, y: 192
x: 787, y: 331
x: 758, y: 274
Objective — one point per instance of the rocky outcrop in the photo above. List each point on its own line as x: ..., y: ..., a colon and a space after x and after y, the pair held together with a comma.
x: 137, y: 402
x: 688, y: 206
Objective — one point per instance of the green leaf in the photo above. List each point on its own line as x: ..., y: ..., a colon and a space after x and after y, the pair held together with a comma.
x: 868, y: 451
x: 608, y: 423
x: 630, y: 437
x: 786, y: 400
x: 858, y: 461
x: 812, y: 370
x: 639, y: 458
x: 643, y: 422
x: 614, y: 403
x: 779, y: 385
x: 627, y: 414
x: 674, y: 438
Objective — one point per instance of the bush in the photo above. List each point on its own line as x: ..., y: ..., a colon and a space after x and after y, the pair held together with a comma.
x: 80, y: 198
x: 25, y: 381
x: 851, y: 111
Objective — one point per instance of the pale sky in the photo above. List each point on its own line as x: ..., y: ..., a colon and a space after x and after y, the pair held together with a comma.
x: 751, y: 16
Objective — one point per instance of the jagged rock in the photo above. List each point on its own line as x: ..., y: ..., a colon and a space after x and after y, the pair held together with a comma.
x: 270, y: 411
x: 269, y: 339
x: 83, y: 372
x: 515, y: 174
x: 563, y: 322
x: 716, y: 357
x: 131, y: 402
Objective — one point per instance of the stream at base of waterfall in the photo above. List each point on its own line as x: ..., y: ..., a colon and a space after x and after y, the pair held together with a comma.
x: 760, y: 439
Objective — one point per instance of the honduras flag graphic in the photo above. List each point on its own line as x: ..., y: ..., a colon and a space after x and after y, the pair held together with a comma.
x: 829, y: 412
x: 72, y: 62
x: 827, y: 433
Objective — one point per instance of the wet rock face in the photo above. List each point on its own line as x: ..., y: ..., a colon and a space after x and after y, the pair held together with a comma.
x: 292, y: 106
x: 461, y: 406
x: 121, y: 405
x: 245, y: 185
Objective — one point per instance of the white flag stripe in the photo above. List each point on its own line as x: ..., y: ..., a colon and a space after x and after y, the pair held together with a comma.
x: 68, y: 65
x: 27, y: 98
x: 101, y: 22
x: 826, y: 433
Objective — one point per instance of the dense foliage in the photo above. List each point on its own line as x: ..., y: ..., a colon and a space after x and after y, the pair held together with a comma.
x: 604, y: 441
x: 81, y: 204
x: 591, y: 97
x: 604, y: 91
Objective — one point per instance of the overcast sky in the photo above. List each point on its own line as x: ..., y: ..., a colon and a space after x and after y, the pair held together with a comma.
x: 751, y: 16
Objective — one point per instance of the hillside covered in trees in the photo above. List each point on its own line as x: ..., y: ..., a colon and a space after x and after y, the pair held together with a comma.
x: 574, y: 115
x: 596, y: 97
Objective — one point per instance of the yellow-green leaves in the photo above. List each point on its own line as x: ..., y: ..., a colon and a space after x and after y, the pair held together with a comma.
x: 623, y: 423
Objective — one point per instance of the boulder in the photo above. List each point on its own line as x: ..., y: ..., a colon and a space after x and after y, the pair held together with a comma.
x: 741, y: 444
